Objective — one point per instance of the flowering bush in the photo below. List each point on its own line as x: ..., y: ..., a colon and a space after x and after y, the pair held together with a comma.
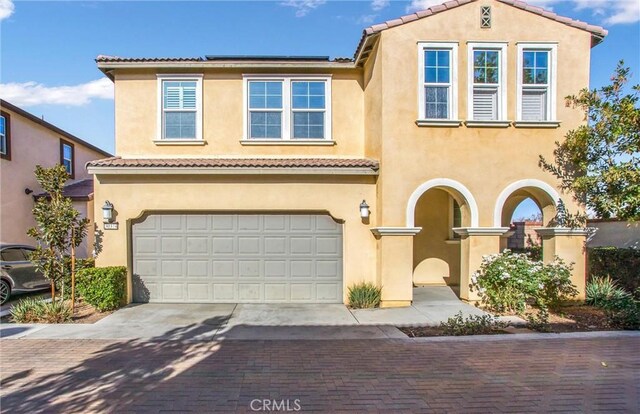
x: 509, y: 282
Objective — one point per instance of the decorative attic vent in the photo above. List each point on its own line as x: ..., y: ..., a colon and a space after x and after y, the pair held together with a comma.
x: 485, y: 17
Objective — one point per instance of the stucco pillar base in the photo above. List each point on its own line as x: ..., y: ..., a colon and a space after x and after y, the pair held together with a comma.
x: 476, y: 242
x: 569, y: 245
x: 395, y: 264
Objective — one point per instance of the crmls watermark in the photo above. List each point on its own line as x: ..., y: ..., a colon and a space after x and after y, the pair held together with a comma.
x: 275, y: 405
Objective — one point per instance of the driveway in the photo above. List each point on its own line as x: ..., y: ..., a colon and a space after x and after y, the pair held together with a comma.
x: 431, y: 306
x: 506, y: 374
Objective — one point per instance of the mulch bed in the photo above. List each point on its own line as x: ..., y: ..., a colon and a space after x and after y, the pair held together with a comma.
x: 84, y: 313
x: 572, y: 318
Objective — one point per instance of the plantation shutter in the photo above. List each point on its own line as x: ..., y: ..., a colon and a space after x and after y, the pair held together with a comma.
x: 534, y: 105
x: 485, y: 104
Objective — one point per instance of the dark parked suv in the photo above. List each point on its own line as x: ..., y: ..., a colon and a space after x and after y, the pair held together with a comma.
x: 17, y: 273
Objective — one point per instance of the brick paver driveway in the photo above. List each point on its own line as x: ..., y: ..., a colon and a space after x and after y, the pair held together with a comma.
x: 581, y: 375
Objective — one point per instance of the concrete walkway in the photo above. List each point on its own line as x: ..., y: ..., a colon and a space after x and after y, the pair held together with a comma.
x: 431, y: 306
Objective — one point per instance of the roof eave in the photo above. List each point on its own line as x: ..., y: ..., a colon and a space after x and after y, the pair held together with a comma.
x: 106, y: 67
x: 113, y: 170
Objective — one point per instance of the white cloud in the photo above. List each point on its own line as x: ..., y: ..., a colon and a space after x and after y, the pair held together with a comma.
x: 416, y: 5
x: 379, y: 4
x: 33, y: 93
x: 366, y: 19
x: 6, y: 9
x: 303, y: 7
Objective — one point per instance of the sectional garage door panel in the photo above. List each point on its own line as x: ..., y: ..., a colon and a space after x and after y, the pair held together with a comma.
x: 237, y: 258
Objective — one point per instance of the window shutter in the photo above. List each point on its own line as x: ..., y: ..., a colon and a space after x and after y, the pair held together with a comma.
x: 172, y: 97
x: 485, y: 104
x: 534, y: 105
x: 189, y: 97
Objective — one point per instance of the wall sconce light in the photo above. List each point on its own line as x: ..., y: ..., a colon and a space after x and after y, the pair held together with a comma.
x: 107, y: 212
x: 364, y: 210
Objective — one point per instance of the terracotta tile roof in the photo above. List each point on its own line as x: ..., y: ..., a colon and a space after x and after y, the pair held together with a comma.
x: 107, y: 58
x: 377, y: 28
x: 236, y: 163
x: 77, y: 191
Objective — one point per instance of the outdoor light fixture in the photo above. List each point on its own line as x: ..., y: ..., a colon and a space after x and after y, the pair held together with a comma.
x: 107, y: 212
x: 364, y: 210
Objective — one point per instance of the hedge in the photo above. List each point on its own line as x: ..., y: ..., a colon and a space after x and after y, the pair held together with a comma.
x: 103, y: 287
x: 622, y: 265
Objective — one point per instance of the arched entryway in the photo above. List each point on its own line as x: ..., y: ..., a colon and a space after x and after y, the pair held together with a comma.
x: 540, y: 193
x: 438, y: 206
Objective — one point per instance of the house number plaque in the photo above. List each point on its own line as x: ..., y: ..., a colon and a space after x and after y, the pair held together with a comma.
x: 111, y: 226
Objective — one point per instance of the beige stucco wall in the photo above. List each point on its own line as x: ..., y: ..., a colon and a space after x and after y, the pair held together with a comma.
x: 31, y: 144
x: 374, y: 113
x: 137, y: 114
x: 485, y: 160
x: 622, y: 234
x: 339, y: 196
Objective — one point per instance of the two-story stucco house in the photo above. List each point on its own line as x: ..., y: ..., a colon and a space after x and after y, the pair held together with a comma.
x: 241, y: 179
x: 27, y: 141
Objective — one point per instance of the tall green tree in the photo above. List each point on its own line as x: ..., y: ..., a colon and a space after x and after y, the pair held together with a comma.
x: 58, y: 226
x: 598, y: 162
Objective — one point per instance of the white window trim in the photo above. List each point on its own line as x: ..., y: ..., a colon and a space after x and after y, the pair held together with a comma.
x: 287, y: 110
x: 452, y: 119
x: 3, y: 137
x: 552, y: 48
x: 502, y: 87
x: 71, y: 162
x: 197, y: 77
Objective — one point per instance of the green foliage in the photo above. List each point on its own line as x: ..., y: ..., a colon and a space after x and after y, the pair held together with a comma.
x: 472, y: 325
x: 539, y: 321
x: 509, y: 282
x: 603, y: 292
x: 622, y: 265
x: 63, y: 285
x: 58, y: 224
x: 599, y: 161
x: 622, y: 309
x: 364, y: 295
x: 37, y: 310
x: 103, y: 287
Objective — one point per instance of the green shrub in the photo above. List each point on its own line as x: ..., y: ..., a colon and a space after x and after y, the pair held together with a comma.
x: 626, y: 315
x: 509, y: 282
x: 38, y: 310
x: 364, y: 295
x: 103, y: 287
x: 603, y: 292
x: 622, y: 265
x: 472, y: 325
x: 63, y: 286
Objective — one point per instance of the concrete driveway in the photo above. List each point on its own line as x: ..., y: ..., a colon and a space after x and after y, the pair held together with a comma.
x: 199, y: 322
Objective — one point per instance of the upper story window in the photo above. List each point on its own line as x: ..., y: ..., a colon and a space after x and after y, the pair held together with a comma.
x: 536, y: 82
x: 5, y: 136
x: 487, y: 80
x: 288, y: 108
x: 438, y: 81
x: 67, y: 157
x: 180, y: 112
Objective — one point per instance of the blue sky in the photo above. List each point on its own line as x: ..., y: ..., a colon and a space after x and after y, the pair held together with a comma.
x: 47, y: 47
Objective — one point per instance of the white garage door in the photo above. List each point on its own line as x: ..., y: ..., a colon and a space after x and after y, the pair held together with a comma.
x: 237, y: 258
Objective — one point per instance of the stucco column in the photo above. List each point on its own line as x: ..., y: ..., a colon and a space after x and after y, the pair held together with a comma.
x: 476, y: 242
x: 395, y: 264
x: 569, y: 245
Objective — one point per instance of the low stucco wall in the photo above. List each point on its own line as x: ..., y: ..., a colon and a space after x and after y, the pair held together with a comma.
x: 621, y: 234
x: 132, y: 196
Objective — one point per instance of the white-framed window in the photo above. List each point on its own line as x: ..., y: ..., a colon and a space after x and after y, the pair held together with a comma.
x: 67, y: 157
x: 487, y: 99
x: 180, y: 107
x: 537, y: 69
x: 438, y: 81
x: 292, y: 107
x: 455, y: 218
x: 4, y: 147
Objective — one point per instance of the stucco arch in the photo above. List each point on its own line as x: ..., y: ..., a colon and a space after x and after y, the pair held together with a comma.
x: 445, y: 184
x: 542, y: 193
